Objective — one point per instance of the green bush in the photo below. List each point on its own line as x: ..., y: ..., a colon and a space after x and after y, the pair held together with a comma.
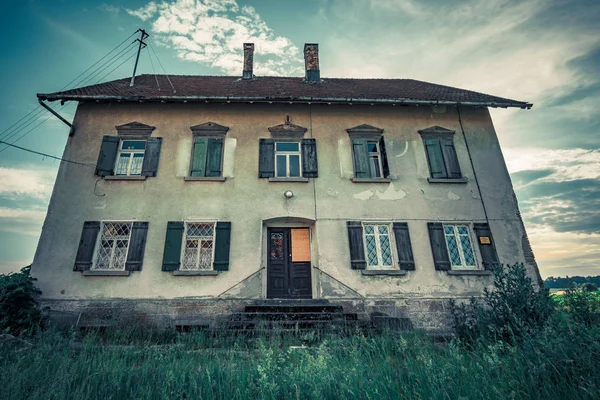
x: 19, y: 312
x: 582, y: 305
x: 511, y: 310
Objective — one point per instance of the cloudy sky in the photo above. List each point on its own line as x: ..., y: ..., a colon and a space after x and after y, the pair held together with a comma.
x: 542, y: 51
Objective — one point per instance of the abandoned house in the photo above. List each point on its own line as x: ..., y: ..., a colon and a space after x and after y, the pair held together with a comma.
x: 211, y: 195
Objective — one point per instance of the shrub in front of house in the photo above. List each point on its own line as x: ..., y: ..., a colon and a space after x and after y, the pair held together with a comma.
x: 511, y: 310
x: 582, y: 304
x: 19, y: 311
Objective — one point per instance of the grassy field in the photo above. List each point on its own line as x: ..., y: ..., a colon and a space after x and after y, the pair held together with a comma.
x: 161, y: 365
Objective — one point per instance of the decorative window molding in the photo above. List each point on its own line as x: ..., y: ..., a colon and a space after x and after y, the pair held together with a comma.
x: 135, y: 129
x: 365, y: 131
x: 437, y: 130
x: 211, y: 129
x: 287, y: 130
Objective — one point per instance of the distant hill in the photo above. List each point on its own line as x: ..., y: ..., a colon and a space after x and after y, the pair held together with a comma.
x: 567, y: 281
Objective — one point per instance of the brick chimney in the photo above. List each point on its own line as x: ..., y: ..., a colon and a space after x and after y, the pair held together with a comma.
x: 248, y: 60
x: 311, y: 62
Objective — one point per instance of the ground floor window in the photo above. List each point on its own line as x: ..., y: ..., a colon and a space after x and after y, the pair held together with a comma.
x: 113, y: 246
x: 198, y: 248
x: 460, y: 249
x: 378, y: 249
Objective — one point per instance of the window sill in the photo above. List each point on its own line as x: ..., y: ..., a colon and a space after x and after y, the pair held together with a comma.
x: 125, y: 178
x: 204, y: 178
x: 195, y: 273
x: 446, y: 180
x: 304, y: 180
x: 391, y: 272
x: 371, y: 180
x: 472, y: 272
x: 106, y: 273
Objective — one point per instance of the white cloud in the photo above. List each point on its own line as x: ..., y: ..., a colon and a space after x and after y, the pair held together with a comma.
x: 109, y: 8
x: 212, y: 32
x: 19, y: 183
x: 568, y: 164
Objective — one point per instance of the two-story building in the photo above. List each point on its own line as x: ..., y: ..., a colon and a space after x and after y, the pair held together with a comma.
x: 208, y: 193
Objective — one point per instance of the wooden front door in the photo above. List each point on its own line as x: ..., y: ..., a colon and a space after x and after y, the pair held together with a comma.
x: 288, y: 263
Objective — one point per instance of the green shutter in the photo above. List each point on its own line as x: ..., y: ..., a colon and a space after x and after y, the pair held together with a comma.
x: 310, y: 168
x: 222, y: 245
x: 450, y: 159
x: 107, y: 156
x: 384, y: 161
x: 266, y: 158
x: 486, y: 246
x: 151, y: 156
x: 403, y: 246
x: 361, y: 158
x: 137, y: 244
x: 199, y: 156
x: 435, y: 158
x: 173, y: 240
x: 437, y: 239
x: 355, y: 241
x: 214, y: 157
x: 85, y: 252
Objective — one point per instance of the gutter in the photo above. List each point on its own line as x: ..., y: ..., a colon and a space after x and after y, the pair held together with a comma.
x: 303, y: 99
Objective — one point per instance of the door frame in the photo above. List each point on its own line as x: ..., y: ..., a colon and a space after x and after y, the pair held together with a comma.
x: 290, y: 222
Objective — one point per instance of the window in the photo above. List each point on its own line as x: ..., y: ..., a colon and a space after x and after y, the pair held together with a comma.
x: 287, y: 160
x: 375, y: 168
x: 207, y: 157
x: 378, y: 249
x: 113, y: 246
x: 441, y: 154
x: 198, y: 248
x: 460, y: 249
x: 130, y: 157
x: 370, y: 160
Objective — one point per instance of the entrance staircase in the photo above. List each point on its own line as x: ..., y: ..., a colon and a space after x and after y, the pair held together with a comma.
x: 294, y: 316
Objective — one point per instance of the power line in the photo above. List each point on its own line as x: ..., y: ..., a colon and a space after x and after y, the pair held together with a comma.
x: 153, y: 70
x: 113, y: 70
x: 105, y: 66
x: 163, y: 68
x: 48, y: 155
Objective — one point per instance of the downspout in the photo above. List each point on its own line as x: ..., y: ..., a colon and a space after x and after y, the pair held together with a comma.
x: 72, y: 130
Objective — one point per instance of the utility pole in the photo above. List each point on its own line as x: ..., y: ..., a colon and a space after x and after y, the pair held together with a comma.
x: 142, y: 44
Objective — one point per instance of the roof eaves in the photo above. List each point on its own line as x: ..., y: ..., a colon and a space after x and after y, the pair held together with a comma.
x: 74, y: 97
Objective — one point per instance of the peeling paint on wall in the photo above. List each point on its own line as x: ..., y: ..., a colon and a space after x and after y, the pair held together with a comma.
x: 366, y: 195
x: 453, y: 196
x: 391, y: 193
x: 405, y: 149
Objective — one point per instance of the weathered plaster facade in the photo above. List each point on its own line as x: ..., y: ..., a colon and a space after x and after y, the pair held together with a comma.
x: 323, y: 204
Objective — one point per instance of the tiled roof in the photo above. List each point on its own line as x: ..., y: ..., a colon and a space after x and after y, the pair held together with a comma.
x: 280, y: 89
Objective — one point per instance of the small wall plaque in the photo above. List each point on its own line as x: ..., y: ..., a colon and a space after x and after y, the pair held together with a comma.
x: 484, y: 240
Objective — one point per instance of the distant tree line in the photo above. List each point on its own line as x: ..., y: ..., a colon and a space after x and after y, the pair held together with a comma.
x: 568, y: 281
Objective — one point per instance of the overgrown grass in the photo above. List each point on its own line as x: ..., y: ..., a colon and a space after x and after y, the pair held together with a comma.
x: 562, y: 362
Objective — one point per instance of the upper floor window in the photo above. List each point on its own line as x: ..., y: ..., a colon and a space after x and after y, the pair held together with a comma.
x: 287, y: 159
x: 132, y: 153
x: 207, y: 150
x: 441, y: 154
x: 368, y: 153
x: 130, y: 157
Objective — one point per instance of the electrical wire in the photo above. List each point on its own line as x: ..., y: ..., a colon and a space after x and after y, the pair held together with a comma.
x: 48, y: 155
x: 105, y: 65
x: 113, y: 70
x: 153, y: 70
x: 161, y: 65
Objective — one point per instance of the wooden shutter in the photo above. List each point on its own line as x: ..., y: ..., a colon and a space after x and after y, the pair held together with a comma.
x: 361, y: 158
x: 310, y: 168
x: 199, y: 156
x: 214, y: 157
x: 486, y: 245
x: 266, y: 158
x: 173, y: 240
x: 85, y: 252
x: 450, y: 159
x: 357, y: 249
x: 403, y: 246
x: 438, y: 246
x: 107, y: 156
x: 137, y: 244
x: 435, y: 158
x: 384, y: 161
x: 151, y: 156
x: 222, y: 245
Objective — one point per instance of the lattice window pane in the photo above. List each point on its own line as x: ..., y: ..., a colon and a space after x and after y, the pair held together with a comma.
x: 198, y: 251
x: 465, y: 243
x: 114, y: 244
x: 453, y: 250
x: 371, y: 250
x: 386, y: 251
